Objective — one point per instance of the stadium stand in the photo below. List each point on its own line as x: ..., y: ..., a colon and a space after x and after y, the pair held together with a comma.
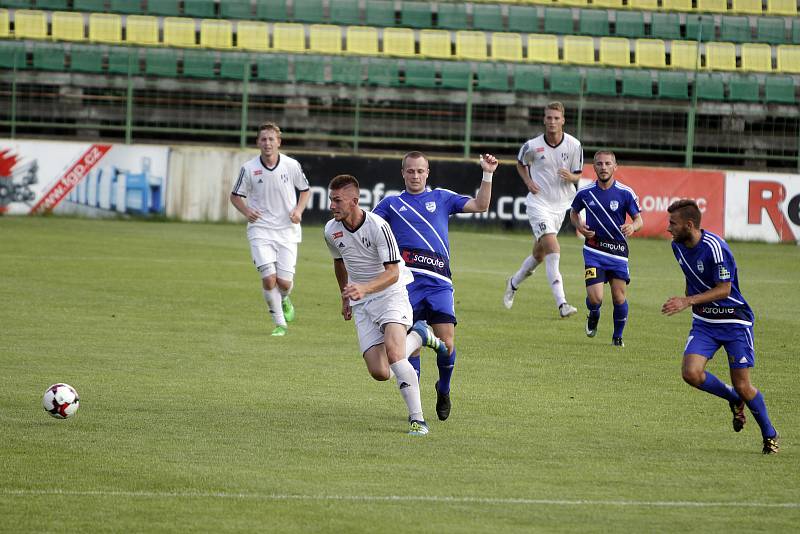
x: 673, y: 85
x: 308, y: 11
x: 650, y: 53
x: 179, y: 31
x: 4, y: 28
x: 471, y: 45
x: 743, y: 88
x: 325, y: 39
x: 756, y: 57
x: 216, y: 34
x: 399, y: 42
x: 105, y: 28
x: 141, y: 30
x: 435, y: 43
x: 252, y: 35
x: 507, y: 46
x: 615, y: 52
x: 578, y: 49
x: 272, y: 10
x: 542, y: 48
x: 68, y: 26
x: 289, y: 37
x: 362, y: 40
x: 30, y: 24
x: 345, y: 12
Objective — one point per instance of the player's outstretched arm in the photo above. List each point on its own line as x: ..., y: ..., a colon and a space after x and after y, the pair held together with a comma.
x: 481, y: 202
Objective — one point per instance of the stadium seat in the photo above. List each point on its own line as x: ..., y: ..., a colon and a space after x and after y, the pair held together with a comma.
x: 770, y: 30
x: 528, y: 79
x: 700, y: 28
x: 683, y: 55
x: 665, y: 26
x: 168, y: 8
x: 203, y: 9
x: 123, y: 60
x: 615, y: 51
x: 720, y: 56
x: 53, y: 5
x: 4, y: 31
x: 558, y: 21
x: 198, y: 64
x: 67, y: 26
x: 272, y: 10
x: 601, y: 82
x: 630, y: 24
x: 98, y: 6
x: 471, y: 45
x: 380, y: 13
x: 565, y: 81
x: 23, y: 4
x: 105, y: 28
x: 578, y: 49
x: 420, y: 74
x: 677, y: 5
x: 345, y: 12
x: 673, y: 85
x: 179, y: 31
x: 572, y: 3
x: 789, y: 59
x: 399, y: 42
x: 782, y: 7
x: 507, y: 46
x: 735, y: 29
x: 492, y: 77
x: 383, y: 72
x: 161, y: 62
x: 289, y: 37
x: 756, y: 57
x: 542, y: 48
x: 637, y: 83
x: 234, y: 66
x: 750, y: 7
x: 709, y: 86
x: 141, y: 30
x: 610, y: 4
x: 12, y: 55
x: 325, y: 38
x: 643, y: 5
x: 592, y: 22
x: 456, y: 75
x: 49, y: 56
x: 650, y: 53
x: 796, y: 31
x: 743, y: 88
x: 416, y: 14
x: 712, y: 6
x: 779, y: 89
x: 435, y: 43
x: 129, y: 7
x: 236, y: 9
x: 272, y: 67
x: 252, y: 35
x: 308, y: 11
x: 452, y: 16
x: 362, y: 40
x: 346, y: 70
x: 309, y: 69
x: 30, y: 24
x: 216, y: 33
x: 83, y: 58
x: 523, y: 19
x: 487, y: 17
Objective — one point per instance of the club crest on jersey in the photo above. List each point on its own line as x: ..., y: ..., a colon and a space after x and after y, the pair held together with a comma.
x: 564, y: 156
x: 365, y: 241
x: 284, y: 178
x: 430, y: 206
x: 700, y: 266
x: 337, y: 235
x: 613, y: 205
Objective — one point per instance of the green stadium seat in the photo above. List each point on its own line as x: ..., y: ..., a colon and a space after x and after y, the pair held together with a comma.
x: 779, y: 89
x: 53, y: 5
x: 129, y: 7
x: 673, y: 85
x: 735, y: 29
x: 380, y: 13
x: 273, y: 68
x: 199, y: 8
x: 487, y: 17
x: 86, y: 59
x: 528, y: 79
x: 524, y: 19
x: 124, y: 60
x: 383, y: 72
x: 236, y: 9
x: 161, y: 62
x: 630, y: 24
x: 696, y: 23
x: 601, y: 82
x: 416, y: 15
x: 276, y: 10
x: 709, y: 86
x: 558, y: 21
x: 456, y: 75
x: 565, y: 81
x: 198, y: 64
x: 98, y: 6
x: 665, y: 26
x: 24, y: 4
x: 452, y: 16
x: 770, y: 30
x: 168, y: 8
x: 345, y: 12
x: 11, y: 53
x: 591, y: 22
x: 309, y: 69
x: 420, y: 74
x: 308, y: 11
x: 346, y: 70
x: 796, y: 31
x: 743, y: 88
x: 492, y: 77
x: 233, y: 66
x: 637, y: 83
x: 49, y: 57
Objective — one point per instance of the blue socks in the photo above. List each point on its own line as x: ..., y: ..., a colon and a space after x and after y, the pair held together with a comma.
x: 620, y: 318
x: 414, y: 361
x: 445, y: 365
x: 717, y: 387
x: 759, y: 411
x: 594, y: 309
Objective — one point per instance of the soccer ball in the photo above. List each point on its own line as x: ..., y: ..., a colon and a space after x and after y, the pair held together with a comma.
x: 61, y: 401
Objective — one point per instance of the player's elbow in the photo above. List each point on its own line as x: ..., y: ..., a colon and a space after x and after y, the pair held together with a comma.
x: 481, y: 205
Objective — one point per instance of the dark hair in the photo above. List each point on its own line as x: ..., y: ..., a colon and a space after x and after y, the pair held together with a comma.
x: 686, y: 209
x: 270, y: 126
x: 343, y: 180
x: 414, y: 154
x: 605, y: 153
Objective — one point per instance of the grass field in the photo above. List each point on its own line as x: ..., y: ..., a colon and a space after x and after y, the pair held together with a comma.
x: 193, y: 418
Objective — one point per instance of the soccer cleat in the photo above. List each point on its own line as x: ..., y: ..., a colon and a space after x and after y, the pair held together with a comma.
x: 565, y: 310
x: 738, y: 415
x: 279, y: 331
x: 442, y: 404
x: 617, y: 342
x: 508, y: 296
x: 418, y: 428
x: 429, y: 339
x: 288, y: 309
x: 591, y: 325
x: 771, y: 445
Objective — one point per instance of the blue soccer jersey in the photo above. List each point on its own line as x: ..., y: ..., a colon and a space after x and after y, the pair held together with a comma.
x: 606, y: 210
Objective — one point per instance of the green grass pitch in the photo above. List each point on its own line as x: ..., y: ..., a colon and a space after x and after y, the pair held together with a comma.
x: 193, y: 418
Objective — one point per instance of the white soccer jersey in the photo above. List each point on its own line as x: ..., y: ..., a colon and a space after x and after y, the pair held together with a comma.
x: 272, y: 192
x: 543, y: 162
x: 365, y: 250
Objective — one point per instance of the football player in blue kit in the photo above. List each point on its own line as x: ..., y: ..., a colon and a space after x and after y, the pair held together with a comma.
x: 721, y: 317
x: 608, y: 203
x: 419, y: 218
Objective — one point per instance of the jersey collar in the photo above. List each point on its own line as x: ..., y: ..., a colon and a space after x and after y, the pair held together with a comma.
x: 277, y: 162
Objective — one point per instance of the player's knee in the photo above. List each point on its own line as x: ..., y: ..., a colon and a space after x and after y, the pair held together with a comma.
x: 268, y: 283
x: 693, y: 377
x: 618, y: 299
x: 450, y: 343
x: 744, y: 388
x: 381, y: 375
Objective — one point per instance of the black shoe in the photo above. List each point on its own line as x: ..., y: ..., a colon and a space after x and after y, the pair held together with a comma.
x: 771, y: 445
x: 591, y: 325
x: 442, y: 404
x: 617, y: 342
x: 738, y: 415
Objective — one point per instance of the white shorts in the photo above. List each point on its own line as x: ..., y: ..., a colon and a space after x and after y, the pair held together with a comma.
x: 544, y: 221
x: 372, y: 316
x: 274, y: 257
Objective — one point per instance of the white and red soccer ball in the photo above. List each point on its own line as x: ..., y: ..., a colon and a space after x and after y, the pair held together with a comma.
x: 61, y: 401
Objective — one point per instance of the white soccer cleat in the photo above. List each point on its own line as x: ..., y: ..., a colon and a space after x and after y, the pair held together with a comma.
x: 566, y: 310
x: 508, y: 296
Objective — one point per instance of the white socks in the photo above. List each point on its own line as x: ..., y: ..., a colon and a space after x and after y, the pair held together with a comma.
x: 413, y: 343
x: 409, y: 387
x: 285, y: 292
x: 528, y: 266
x: 551, y: 262
x: 273, y: 300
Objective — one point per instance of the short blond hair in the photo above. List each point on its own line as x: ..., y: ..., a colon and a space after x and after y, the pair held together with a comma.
x: 556, y: 106
x: 270, y: 126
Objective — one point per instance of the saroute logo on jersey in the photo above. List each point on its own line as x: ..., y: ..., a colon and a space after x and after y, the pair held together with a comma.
x: 430, y: 206
x: 426, y: 260
x: 613, y: 205
x: 337, y: 235
x: 700, y: 266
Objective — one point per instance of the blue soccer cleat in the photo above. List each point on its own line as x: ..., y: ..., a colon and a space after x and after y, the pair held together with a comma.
x: 418, y: 428
x: 429, y: 339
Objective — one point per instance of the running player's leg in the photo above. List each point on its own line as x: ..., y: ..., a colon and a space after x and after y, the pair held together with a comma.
x: 594, y: 277
x: 286, y: 262
x: 265, y: 258
x: 619, y: 297
x: 700, y: 348
x: 552, y: 259
x: 538, y: 227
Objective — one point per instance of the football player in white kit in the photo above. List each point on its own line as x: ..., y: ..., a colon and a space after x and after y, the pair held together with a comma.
x: 372, y: 279
x: 265, y: 193
x: 550, y: 165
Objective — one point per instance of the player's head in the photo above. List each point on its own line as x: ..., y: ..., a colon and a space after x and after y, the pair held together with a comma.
x: 269, y: 138
x: 554, y: 118
x: 684, y: 219
x: 343, y: 193
x: 415, y: 172
x: 605, y: 164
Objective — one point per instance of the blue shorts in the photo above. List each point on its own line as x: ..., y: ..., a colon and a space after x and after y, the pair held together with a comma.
x: 601, y: 269
x: 432, y: 304
x: 738, y: 343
